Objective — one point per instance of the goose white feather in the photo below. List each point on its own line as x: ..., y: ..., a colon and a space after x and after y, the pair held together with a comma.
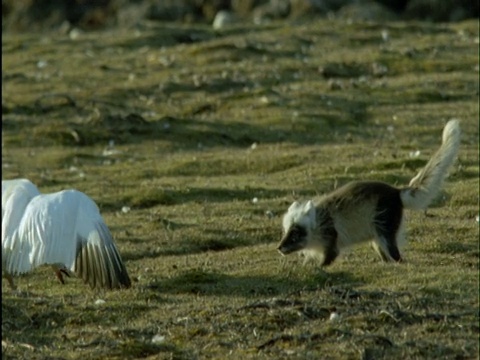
x: 63, y: 229
x: 16, y: 194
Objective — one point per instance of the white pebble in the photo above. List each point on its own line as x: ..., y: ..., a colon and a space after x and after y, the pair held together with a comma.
x: 100, y: 302
x: 41, y: 64
x: 74, y: 34
x: 255, y: 200
x: 264, y: 100
x: 110, y: 152
x: 414, y: 154
x: 334, y: 316
x: 126, y: 209
x: 158, y: 339
x: 222, y: 19
x: 385, y: 35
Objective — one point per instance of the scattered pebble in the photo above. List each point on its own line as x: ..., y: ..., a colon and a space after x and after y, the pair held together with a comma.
x: 110, y: 152
x: 222, y: 19
x: 264, y: 100
x: 255, y: 200
x: 42, y: 64
x: 158, y: 339
x: 270, y: 214
x: 26, y: 346
x: 74, y: 34
x: 100, y: 302
x: 414, y: 154
x: 478, y: 218
x: 385, y: 35
x: 254, y: 146
x: 126, y: 209
x: 334, y: 316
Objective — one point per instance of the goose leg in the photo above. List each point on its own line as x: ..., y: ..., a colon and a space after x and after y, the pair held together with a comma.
x: 59, y: 272
x: 10, y: 281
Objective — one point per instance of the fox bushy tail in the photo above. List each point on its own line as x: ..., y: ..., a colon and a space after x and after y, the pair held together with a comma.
x: 425, y: 186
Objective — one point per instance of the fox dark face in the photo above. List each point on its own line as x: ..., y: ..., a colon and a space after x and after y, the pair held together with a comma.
x: 294, y: 240
x: 297, y: 224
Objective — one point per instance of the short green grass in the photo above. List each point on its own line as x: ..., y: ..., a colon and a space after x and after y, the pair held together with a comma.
x: 207, y: 137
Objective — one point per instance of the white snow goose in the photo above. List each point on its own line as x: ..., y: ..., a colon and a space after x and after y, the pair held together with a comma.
x: 62, y: 229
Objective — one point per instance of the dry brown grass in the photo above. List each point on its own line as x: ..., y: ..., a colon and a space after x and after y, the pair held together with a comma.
x: 324, y: 103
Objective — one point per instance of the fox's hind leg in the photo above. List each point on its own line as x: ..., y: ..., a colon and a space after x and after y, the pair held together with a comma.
x: 389, y: 229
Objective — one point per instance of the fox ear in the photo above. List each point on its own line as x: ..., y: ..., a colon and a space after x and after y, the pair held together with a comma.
x: 309, y: 205
x: 310, y: 211
x: 294, y: 206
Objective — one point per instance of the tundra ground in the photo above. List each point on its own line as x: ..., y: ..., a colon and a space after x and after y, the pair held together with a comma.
x: 194, y: 142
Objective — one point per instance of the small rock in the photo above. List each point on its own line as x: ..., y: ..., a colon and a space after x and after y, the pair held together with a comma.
x: 158, y: 339
x: 74, y: 34
x: 100, y: 302
x: 334, y: 316
x: 269, y: 214
x: 42, y: 64
x: 126, y: 209
x: 222, y: 19
x: 255, y: 200
x: 385, y: 35
x: 110, y: 152
x: 264, y: 100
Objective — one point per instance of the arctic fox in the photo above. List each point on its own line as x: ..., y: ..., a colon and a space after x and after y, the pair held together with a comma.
x: 366, y: 210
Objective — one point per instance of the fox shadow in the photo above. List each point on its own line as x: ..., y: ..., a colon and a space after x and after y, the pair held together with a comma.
x: 212, y: 283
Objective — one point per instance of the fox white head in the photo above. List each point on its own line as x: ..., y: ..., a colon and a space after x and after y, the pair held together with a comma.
x: 298, y: 223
